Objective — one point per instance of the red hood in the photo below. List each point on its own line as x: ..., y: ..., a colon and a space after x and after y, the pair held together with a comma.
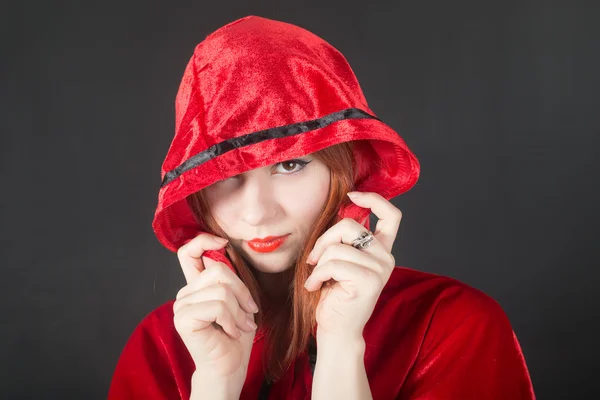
x: 257, y: 92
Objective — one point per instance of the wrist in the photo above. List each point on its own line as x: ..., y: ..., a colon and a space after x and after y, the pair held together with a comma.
x: 343, y: 339
x: 339, y: 345
x: 340, y: 368
x: 204, y: 387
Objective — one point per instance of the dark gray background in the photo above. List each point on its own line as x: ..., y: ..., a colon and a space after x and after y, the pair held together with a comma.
x: 497, y: 99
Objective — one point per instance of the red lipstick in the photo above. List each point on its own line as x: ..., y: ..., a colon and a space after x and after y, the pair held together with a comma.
x: 268, y: 244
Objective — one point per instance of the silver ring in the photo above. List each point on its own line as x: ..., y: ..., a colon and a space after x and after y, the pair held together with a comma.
x: 363, y: 241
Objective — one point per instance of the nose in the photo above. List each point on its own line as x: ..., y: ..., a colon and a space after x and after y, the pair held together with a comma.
x: 258, y: 205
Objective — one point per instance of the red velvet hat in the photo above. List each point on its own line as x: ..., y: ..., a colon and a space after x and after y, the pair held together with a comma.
x: 257, y: 92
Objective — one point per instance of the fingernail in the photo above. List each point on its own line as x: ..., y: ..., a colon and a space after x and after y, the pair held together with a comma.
x: 253, y: 305
x: 310, y: 259
x: 221, y: 240
x: 353, y: 195
x: 251, y: 323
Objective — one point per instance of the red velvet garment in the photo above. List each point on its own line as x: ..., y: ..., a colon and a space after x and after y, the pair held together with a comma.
x: 430, y: 337
x: 257, y: 92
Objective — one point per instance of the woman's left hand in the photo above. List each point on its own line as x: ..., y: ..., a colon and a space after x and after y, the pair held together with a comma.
x: 358, y: 276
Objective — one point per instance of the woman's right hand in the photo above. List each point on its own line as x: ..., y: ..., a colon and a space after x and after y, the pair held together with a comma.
x: 211, y: 315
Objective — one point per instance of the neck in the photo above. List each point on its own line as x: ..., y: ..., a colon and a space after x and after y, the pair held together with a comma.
x: 275, y: 286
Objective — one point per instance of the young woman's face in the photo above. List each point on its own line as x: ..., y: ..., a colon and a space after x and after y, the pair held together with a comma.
x: 283, y: 199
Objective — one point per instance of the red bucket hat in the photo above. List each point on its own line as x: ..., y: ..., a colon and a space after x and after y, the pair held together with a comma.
x: 257, y: 92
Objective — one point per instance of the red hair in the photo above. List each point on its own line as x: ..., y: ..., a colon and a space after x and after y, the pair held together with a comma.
x: 290, y: 323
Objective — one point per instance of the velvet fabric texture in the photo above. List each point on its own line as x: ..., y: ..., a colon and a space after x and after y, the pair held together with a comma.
x: 257, y: 92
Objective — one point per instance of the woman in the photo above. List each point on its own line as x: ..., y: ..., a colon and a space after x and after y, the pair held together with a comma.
x: 300, y: 300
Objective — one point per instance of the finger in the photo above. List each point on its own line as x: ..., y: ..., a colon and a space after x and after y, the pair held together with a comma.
x: 190, y: 254
x: 388, y: 214
x: 221, y: 292
x: 351, y: 276
x: 345, y: 231
x: 218, y: 272
x: 376, y: 261
x: 198, y: 316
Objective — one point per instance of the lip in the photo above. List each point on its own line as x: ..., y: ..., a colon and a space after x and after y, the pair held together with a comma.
x: 266, y: 245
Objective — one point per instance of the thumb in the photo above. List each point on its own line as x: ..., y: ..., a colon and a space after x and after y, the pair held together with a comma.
x: 190, y: 255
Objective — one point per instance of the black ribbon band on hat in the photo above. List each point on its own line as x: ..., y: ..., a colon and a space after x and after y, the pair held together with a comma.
x: 259, y: 136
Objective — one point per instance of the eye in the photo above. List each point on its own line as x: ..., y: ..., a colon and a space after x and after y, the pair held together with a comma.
x: 292, y: 166
x: 288, y: 167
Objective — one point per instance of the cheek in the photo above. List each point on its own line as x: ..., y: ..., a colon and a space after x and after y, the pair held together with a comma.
x: 222, y: 209
x: 305, y: 201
